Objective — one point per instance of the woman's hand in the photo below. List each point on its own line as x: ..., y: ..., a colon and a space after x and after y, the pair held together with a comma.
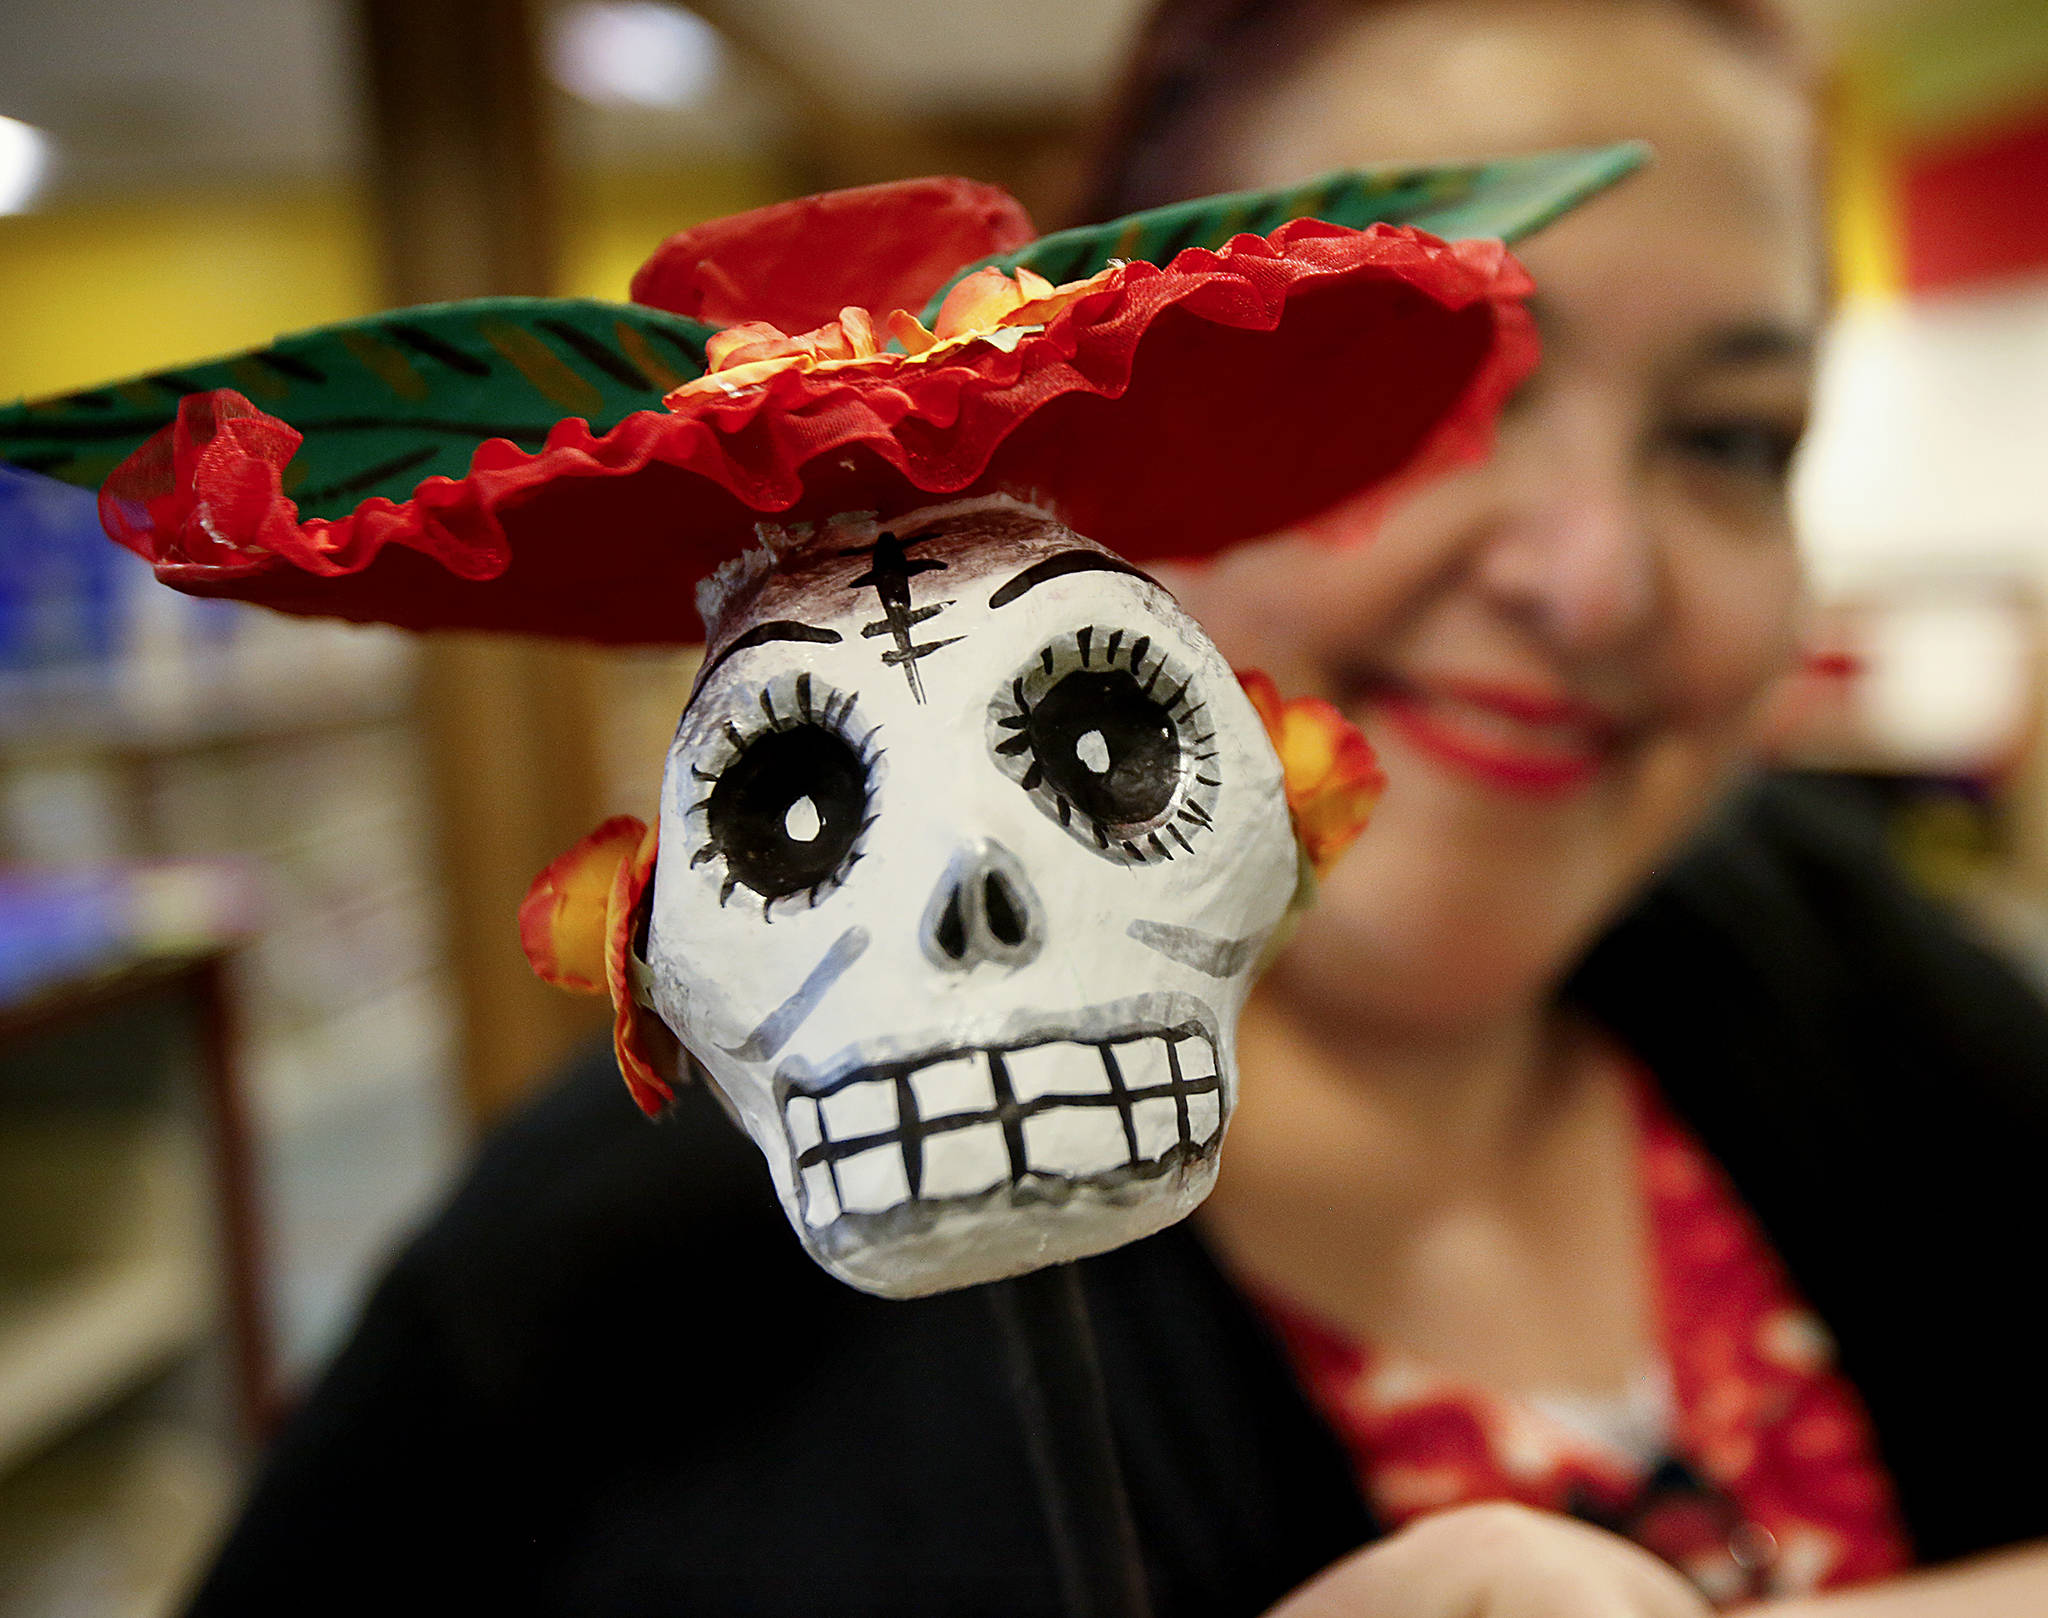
x: 1497, y: 1561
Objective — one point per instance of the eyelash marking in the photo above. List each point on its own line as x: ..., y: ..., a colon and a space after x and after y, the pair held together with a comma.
x: 1015, y: 742
x: 786, y: 711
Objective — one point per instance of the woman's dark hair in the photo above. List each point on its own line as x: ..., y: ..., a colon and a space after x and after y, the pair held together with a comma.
x: 1196, y: 62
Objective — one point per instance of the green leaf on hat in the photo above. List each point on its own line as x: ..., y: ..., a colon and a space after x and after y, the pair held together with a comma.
x: 390, y: 400
x: 1508, y: 198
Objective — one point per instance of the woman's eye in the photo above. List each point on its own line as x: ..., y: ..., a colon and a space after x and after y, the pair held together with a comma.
x: 1758, y: 450
x: 1105, y: 745
x: 786, y: 812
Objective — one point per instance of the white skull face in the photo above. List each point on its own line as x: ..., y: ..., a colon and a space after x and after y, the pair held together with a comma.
x: 969, y: 846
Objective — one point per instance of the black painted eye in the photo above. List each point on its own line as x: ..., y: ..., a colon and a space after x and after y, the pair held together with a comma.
x: 1106, y: 733
x: 787, y: 806
x: 1107, y: 746
x: 787, y: 811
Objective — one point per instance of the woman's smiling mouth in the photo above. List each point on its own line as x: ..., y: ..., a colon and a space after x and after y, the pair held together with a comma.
x: 1512, y: 738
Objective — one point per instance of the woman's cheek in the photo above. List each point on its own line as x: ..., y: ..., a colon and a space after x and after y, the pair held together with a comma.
x: 1732, y: 618
x: 1297, y: 608
x: 1737, y: 609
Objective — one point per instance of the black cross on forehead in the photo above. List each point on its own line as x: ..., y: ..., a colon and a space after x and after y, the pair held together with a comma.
x: 889, y: 572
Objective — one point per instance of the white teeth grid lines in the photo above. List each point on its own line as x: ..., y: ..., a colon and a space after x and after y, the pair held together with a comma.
x: 961, y: 1123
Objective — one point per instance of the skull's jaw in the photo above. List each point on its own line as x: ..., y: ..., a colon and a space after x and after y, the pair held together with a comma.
x: 924, y: 1247
x: 970, y: 1163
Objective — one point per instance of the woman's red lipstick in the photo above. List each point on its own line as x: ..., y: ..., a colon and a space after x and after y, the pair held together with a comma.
x: 1513, y: 738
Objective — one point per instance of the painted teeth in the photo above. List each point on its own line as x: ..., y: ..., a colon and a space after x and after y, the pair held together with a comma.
x: 1075, y: 1141
x: 1058, y: 1069
x: 1156, y: 1123
x: 968, y: 1161
x: 821, y: 1198
x: 801, y: 1118
x: 961, y: 1125
x: 946, y: 1088
x: 872, y: 1180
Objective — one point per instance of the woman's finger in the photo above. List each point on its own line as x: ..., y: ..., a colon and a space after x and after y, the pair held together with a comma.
x: 1497, y: 1561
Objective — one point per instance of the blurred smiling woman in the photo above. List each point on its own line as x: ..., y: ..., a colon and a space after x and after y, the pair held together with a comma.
x: 1581, y: 1242
x: 1606, y: 1229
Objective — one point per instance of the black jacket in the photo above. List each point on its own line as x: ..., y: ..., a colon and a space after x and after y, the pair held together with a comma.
x: 607, y: 1382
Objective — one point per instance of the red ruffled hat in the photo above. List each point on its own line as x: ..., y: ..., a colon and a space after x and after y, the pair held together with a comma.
x: 1163, y: 409
x: 1201, y: 374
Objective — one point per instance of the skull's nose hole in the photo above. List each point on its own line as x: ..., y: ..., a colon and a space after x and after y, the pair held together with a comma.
x: 982, y: 911
x: 951, y: 932
x: 1004, y: 912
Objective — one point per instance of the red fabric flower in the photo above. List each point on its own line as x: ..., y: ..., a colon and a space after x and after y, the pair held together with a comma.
x: 1162, y: 411
x: 797, y: 264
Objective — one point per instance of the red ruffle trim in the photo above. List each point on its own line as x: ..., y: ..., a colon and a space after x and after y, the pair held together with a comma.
x: 1171, y: 412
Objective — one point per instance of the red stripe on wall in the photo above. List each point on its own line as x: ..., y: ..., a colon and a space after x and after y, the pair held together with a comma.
x: 1977, y: 210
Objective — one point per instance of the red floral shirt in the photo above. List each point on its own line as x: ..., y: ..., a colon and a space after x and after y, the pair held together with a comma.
x: 1766, y: 1481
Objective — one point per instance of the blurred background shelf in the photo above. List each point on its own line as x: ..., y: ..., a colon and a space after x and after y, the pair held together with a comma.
x: 73, y: 1342
x: 136, y: 1357
x: 252, y: 777
x: 113, y: 1522
x: 207, y: 704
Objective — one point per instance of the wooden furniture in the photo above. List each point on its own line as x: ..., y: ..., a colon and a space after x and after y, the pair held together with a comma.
x: 135, y: 1350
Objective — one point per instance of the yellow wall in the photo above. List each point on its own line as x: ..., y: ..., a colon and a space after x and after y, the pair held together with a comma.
x: 1866, y: 227
x: 1919, y: 77
x: 91, y: 293
x: 611, y: 222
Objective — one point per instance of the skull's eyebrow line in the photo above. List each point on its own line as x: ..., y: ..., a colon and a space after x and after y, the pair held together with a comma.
x: 1058, y: 567
x: 786, y: 1018
x: 760, y: 635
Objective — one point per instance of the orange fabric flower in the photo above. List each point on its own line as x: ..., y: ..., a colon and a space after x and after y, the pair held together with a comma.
x: 988, y: 300
x: 987, y: 306
x: 1047, y: 300
x: 641, y: 1040
x: 562, y: 918
x: 577, y: 926
x: 1332, y: 778
x: 749, y: 353
x: 981, y: 300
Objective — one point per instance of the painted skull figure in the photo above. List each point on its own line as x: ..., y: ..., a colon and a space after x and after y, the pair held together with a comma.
x: 970, y: 843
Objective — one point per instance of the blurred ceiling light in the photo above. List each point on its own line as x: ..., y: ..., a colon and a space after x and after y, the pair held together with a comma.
x: 636, y: 53
x: 24, y: 159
